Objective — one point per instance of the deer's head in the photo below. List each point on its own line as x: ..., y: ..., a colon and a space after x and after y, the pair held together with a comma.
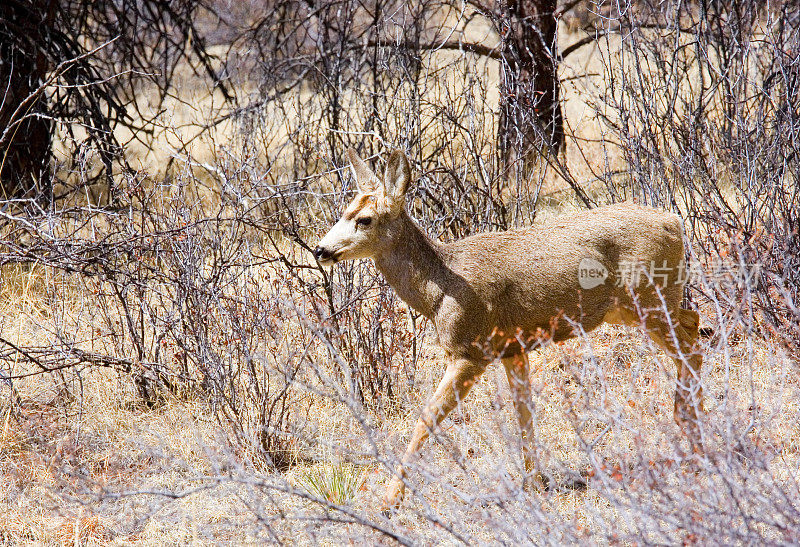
x: 370, y: 221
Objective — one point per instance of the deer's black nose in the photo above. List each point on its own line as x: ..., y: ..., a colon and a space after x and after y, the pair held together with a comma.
x: 320, y: 253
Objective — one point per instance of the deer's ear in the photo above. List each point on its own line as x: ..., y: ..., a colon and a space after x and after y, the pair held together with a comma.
x: 396, y: 177
x: 365, y: 178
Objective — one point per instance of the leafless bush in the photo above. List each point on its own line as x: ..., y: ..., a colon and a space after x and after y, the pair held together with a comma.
x: 73, y: 72
x: 705, y: 106
x: 195, y: 294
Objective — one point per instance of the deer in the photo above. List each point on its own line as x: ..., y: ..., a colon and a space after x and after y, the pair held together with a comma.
x: 498, y: 295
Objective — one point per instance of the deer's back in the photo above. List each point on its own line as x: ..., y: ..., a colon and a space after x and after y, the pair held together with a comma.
x: 531, y: 278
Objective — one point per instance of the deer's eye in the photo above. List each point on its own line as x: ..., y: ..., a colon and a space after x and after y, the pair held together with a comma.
x: 364, y: 221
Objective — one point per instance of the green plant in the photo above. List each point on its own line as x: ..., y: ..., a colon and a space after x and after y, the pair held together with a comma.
x: 336, y: 483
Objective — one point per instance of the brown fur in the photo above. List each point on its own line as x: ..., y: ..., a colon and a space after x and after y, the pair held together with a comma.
x: 358, y: 205
x: 497, y: 295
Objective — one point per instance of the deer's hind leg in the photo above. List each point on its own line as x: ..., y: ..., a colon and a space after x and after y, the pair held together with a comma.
x: 678, y: 338
x: 458, y: 379
x: 518, y: 374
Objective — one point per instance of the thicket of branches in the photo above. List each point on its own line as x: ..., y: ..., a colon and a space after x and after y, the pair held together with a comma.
x: 197, y: 283
x: 73, y: 72
x: 707, y: 112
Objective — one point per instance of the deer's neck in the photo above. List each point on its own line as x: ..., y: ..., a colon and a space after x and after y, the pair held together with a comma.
x: 415, y: 267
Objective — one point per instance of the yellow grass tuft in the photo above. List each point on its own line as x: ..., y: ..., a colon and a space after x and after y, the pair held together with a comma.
x: 82, y: 531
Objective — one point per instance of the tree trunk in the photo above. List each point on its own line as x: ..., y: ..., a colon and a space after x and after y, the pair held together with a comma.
x: 531, y: 122
x: 25, y: 144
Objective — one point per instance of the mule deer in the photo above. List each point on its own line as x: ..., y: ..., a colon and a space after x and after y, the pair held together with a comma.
x: 497, y: 295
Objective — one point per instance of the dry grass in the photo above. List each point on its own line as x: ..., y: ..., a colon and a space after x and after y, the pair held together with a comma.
x: 58, y: 455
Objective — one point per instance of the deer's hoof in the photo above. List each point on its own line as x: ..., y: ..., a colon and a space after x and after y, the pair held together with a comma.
x: 536, y: 482
x: 393, y: 497
x: 389, y: 507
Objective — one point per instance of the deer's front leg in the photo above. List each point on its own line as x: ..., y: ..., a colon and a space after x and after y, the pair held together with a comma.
x: 458, y: 379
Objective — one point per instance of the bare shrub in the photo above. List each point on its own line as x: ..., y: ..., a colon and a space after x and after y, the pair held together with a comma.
x: 72, y: 73
x: 704, y: 101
